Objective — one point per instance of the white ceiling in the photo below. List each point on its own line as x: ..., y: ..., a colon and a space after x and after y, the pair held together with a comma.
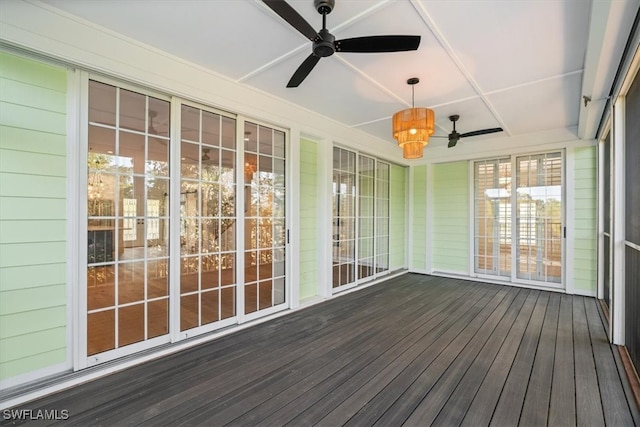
x: 515, y: 64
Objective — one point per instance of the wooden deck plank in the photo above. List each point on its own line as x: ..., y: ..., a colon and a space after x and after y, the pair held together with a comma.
x: 416, y: 326
x: 453, y: 411
x: 509, y: 408
x: 486, y: 399
x: 400, y: 409
x: 588, y: 403
x: 380, y: 384
x: 535, y: 410
x: 383, y: 334
x: 183, y: 400
x: 415, y: 350
x: 209, y: 367
x: 563, y: 391
x: 616, y: 407
x: 323, y: 400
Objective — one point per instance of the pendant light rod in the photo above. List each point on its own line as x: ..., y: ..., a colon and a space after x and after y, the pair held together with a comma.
x: 413, y: 81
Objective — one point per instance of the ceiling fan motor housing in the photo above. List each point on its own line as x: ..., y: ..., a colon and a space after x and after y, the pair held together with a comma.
x: 325, y: 46
x: 324, y: 43
x: 324, y: 6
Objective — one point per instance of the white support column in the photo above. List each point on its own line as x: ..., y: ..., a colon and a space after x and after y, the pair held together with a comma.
x: 428, y: 237
x: 569, y: 220
x: 409, y: 227
x: 600, y: 219
x: 407, y: 217
x: 174, y: 222
x: 325, y: 217
x: 240, y: 220
x: 293, y: 217
x: 77, y: 144
x: 618, y: 226
x: 472, y: 220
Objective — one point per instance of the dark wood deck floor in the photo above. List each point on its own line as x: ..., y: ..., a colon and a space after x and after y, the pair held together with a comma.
x: 415, y: 350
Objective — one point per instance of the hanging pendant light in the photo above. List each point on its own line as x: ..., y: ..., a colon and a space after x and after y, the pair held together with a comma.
x: 413, y: 127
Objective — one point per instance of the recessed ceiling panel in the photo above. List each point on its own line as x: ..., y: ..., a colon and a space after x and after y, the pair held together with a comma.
x: 227, y: 36
x: 551, y: 104
x: 506, y: 43
x: 380, y: 129
x: 440, y: 78
x: 332, y: 89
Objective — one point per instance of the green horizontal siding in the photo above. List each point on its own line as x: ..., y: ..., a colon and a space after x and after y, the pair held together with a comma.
x: 419, y: 222
x: 33, y: 299
x: 25, y: 163
x: 16, y: 185
x: 36, y: 74
x: 32, y: 276
x: 24, y: 116
x: 42, y: 98
x: 33, y: 289
x: 309, y: 222
x: 397, y: 216
x: 26, y: 364
x: 21, y: 208
x: 584, y: 227
x: 450, y: 246
x: 17, y: 254
x: 31, y: 344
x: 33, y: 141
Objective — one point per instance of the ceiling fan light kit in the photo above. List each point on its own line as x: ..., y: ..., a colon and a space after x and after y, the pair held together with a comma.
x: 413, y: 127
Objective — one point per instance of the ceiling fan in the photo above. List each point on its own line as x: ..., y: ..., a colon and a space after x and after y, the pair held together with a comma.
x: 454, y: 136
x: 325, y: 44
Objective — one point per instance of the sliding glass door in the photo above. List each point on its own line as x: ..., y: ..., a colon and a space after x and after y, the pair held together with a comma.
x: 539, y: 218
x: 518, y: 221
x: 360, y: 218
x: 186, y: 221
x: 265, y: 229
x: 128, y: 177
x: 207, y: 218
x: 492, y: 201
x: 344, y: 218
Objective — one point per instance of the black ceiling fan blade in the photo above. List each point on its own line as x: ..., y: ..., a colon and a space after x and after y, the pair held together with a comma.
x: 480, y: 132
x: 303, y: 70
x: 294, y: 19
x: 372, y: 44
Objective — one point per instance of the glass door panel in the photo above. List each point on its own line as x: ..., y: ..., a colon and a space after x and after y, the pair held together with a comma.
x: 207, y: 219
x: 492, y: 224
x: 539, y: 217
x: 265, y: 223
x: 382, y: 216
x: 128, y: 199
x: 360, y: 218
x: 344, y: 217
x: 366, y: 216
x: 537, y: 204
x: 606, y: 218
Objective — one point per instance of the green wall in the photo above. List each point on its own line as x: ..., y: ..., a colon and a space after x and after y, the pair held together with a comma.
x: 450, y: 207
x: 309, y: 227
x: 397, y: 217
x: 584, y: 227
x: 33, y: 299
x: 419, y: 222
